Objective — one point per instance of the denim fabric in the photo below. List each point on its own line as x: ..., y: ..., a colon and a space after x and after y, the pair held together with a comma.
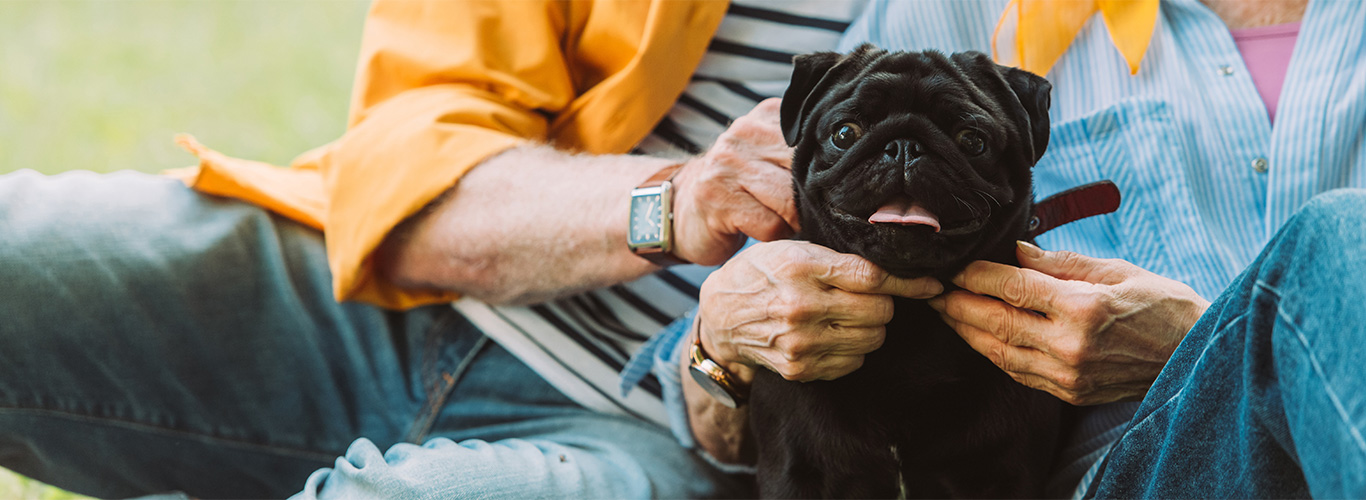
x: 155, y: 339
x: 1266, y: 396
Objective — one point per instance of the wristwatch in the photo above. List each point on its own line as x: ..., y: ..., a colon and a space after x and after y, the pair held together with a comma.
x: 713, y: 378
x: 650, y: 234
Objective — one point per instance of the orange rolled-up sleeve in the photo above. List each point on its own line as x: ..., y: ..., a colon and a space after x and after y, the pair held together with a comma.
x: 444, y: 84
x: 437, y: 91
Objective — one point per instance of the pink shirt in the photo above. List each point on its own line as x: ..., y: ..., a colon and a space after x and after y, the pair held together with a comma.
x: 1266, y: 52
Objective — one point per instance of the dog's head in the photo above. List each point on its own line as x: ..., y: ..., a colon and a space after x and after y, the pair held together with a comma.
x: 918, y: 161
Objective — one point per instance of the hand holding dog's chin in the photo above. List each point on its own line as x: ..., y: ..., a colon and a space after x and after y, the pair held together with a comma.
x: 1089, y: 331
x: 800, y: 309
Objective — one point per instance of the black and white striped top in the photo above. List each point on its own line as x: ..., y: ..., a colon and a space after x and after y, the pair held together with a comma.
x: 580, y: 344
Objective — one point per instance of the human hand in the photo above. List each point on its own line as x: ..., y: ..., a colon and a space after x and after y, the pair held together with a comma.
x: 1086, y: 330
x: 741, y: 186
x: 803, y: 310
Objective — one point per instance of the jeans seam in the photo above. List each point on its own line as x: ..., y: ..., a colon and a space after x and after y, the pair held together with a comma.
x: 440, y: 389
x: 1318, y: 369
x: 175, y: 433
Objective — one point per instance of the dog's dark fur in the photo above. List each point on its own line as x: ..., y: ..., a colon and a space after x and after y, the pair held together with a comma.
x: 925, y: 412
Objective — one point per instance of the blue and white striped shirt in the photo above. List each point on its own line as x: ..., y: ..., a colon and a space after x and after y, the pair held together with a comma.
x: 1206, y: 180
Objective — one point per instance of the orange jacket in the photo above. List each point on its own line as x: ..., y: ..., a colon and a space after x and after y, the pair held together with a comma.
x: 444, y: 84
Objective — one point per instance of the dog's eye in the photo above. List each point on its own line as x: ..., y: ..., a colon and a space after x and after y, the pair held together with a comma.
x: 971, y: 142
x: 845, y: 135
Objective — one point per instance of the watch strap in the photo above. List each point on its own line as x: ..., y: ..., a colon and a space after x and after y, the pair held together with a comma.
x: 664, y: 174
x: 659, y: 257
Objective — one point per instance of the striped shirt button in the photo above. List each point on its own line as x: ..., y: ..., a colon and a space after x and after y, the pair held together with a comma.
x: 1226, y: 70
x: 1260, y: 165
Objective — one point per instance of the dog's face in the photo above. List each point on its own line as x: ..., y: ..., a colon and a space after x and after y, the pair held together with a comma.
x: 918, y: 161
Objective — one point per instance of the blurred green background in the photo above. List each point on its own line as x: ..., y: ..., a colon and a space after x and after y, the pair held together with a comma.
x: 104, y: 85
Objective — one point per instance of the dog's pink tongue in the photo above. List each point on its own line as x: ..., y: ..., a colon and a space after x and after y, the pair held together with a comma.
x: 905, y: 212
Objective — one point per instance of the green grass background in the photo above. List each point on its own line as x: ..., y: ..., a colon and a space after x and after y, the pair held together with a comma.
x: 104, y: 85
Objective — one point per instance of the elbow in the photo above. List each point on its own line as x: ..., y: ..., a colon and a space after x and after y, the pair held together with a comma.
x: 409, y: 265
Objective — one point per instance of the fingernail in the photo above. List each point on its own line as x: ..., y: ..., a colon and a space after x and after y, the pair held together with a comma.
x: 936, y: 303
x: 1029, y: 249
x: 935, y: 287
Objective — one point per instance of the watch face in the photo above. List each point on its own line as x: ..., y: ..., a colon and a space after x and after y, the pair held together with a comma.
x: 646, y: 220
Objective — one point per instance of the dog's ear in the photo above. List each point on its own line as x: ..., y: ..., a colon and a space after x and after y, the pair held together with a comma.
x: 807, y: 72
x: 1033, y: 91
x: 812, y: 74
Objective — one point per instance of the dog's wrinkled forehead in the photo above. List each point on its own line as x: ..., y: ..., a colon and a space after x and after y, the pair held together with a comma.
x: 894, y: 78
x: 882, y: 83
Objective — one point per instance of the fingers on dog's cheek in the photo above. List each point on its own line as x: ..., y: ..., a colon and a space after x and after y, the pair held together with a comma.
x: 856, y: 341
x: 917, y: 288
x: 1005, y: 322
x: 784, y: 159
x: 982, y: 342
x: 931, y: 287
x: 1019, y: 287
x: 1008, y: 357
x: 940, y: 304
x: 1022, y: 364
x: 773, y: 189
x: 958, y: 305
x: 764, y: 225
x: 750, y: 215
x: 857, y: 310
x: 850, y: 273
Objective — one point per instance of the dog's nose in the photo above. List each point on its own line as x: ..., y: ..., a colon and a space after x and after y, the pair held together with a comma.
x: 904, y: 150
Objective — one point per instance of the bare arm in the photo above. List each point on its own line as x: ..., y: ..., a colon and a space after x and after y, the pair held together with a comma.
x: 524, y: 226
x: 534, y: 223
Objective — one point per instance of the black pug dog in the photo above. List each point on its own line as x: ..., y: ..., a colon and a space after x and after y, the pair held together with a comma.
x: 921, y: 163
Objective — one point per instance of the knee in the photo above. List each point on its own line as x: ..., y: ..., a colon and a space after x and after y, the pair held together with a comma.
x: 1331, y: 221
x: 1333, y: 209
x: 1324, y: 242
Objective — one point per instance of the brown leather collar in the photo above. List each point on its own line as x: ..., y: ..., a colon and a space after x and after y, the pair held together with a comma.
x: 1074, y: 204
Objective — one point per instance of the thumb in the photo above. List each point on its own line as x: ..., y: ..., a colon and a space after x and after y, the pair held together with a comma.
x: 856, y: 274
x: 1067, y: 265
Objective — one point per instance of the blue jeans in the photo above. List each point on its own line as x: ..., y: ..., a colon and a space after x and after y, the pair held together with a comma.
x: 154, y: 339
x: 1266, y: 396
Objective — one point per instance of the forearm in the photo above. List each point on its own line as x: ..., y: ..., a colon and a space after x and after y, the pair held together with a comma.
x: 524, y: 226
x: 533, y: 223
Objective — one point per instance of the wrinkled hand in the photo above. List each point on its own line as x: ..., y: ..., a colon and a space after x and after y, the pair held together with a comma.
x: 803, y: 310
x: 741, y: 186
x: 1086, y: 330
